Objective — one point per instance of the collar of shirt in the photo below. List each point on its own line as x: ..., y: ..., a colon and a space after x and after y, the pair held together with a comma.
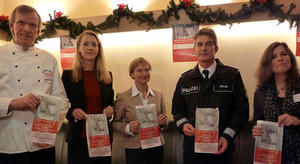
x: 211, y: 69
x: 136, y: 92
x: 19, y: 48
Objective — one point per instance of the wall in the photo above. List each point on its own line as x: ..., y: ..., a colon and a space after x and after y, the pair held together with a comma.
x: 83, y: 8
x: 2, y: 7
x: 240, y: 46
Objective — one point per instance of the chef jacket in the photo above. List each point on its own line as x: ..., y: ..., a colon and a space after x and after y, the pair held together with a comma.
x: 23, y: 72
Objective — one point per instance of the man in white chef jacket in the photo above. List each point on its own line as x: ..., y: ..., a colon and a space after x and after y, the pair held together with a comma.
x: 25, y: 71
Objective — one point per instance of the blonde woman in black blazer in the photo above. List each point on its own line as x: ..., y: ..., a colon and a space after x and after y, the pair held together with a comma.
x: 89, y: 89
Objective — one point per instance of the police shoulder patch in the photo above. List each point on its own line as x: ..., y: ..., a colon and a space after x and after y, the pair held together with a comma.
x: 190, y: 90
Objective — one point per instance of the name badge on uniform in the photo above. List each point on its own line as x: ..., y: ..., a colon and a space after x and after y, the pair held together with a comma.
x: 48, y: 76
x: 190, y: 90
x: 296, y: 97
x: 225, y: 87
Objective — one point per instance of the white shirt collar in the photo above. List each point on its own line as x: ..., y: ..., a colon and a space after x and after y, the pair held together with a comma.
x: 135, y: 91
x: 20, y: 48
x: 211, y: 69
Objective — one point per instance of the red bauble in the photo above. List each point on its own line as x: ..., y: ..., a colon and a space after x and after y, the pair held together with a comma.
x: 122, y: 7
x: 262, y: 1
x: 188, y: 3
x: 3, y: 18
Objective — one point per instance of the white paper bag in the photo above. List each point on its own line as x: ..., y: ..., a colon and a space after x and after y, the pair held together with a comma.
x: 149, y: 129
x: 97, y: 135
x: 268, y: 147
x: 207, y: 130
x: 48, y: 119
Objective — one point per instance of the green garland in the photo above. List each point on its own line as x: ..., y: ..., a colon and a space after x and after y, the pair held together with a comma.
x: 207, y: 16
x: 4, y: 26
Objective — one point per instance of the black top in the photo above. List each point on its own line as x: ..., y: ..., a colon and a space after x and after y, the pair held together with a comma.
x: 76, y: 95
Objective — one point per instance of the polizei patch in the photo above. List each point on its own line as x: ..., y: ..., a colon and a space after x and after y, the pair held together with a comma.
x: 190, y: 90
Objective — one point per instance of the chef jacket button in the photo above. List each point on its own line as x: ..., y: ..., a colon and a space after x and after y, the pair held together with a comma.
x: 25, y: 123
x: 39, y: 80
x: 13, y: 53
x: 16, y: 66
x: 19, y: 80
x: 38, y: 67
x: 36, y: 55
x: 21, y: 94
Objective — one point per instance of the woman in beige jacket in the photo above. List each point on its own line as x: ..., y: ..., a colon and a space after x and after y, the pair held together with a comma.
x: 126, y: 121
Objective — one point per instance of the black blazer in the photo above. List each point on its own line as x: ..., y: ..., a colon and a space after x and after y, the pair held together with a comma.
x: 76, y: 96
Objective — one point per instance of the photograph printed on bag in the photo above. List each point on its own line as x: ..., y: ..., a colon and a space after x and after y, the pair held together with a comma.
x: 98, y: 125
x: 147, y: 115
x: 270, y: 137
x: 207, y: 119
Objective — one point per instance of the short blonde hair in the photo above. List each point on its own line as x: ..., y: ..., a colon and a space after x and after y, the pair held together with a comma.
x: 136, y: 62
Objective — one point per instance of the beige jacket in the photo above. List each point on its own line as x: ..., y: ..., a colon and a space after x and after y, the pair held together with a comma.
x: 125, y: 112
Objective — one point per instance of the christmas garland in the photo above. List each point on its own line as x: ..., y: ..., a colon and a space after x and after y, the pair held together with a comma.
x: 207, y: 16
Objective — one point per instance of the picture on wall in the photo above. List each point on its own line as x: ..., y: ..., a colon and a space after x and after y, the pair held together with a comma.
x: 183, y: 42
x: 67, y: 51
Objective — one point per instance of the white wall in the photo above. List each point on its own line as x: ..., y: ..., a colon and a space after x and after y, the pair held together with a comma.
x: 240, y: 46
x: 89, y: 8
x: 84, y: 8
x: 2, y: 7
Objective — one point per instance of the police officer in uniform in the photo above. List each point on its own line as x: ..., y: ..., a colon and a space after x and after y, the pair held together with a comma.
x: 210, y: 84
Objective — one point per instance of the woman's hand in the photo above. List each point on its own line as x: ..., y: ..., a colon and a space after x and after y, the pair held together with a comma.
x: 288, y: 120
x: 257, y: 131
x: 109, y: 111
x: 162, y: 120
x: 79, y: 114
x: 134, y: 126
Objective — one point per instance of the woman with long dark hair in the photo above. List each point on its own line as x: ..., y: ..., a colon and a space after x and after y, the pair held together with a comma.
x: 277, y: 97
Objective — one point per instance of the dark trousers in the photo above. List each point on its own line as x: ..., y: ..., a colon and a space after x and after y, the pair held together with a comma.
x: 190, y: 157
x: 145, y: 156
x: 78, y: 154
x: 45, y: 156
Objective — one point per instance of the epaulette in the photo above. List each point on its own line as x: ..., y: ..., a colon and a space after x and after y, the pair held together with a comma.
x: 226, y: 66
x: 231, y: 68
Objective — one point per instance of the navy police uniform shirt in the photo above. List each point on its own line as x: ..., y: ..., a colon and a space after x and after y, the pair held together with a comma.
x: 224, y: 89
